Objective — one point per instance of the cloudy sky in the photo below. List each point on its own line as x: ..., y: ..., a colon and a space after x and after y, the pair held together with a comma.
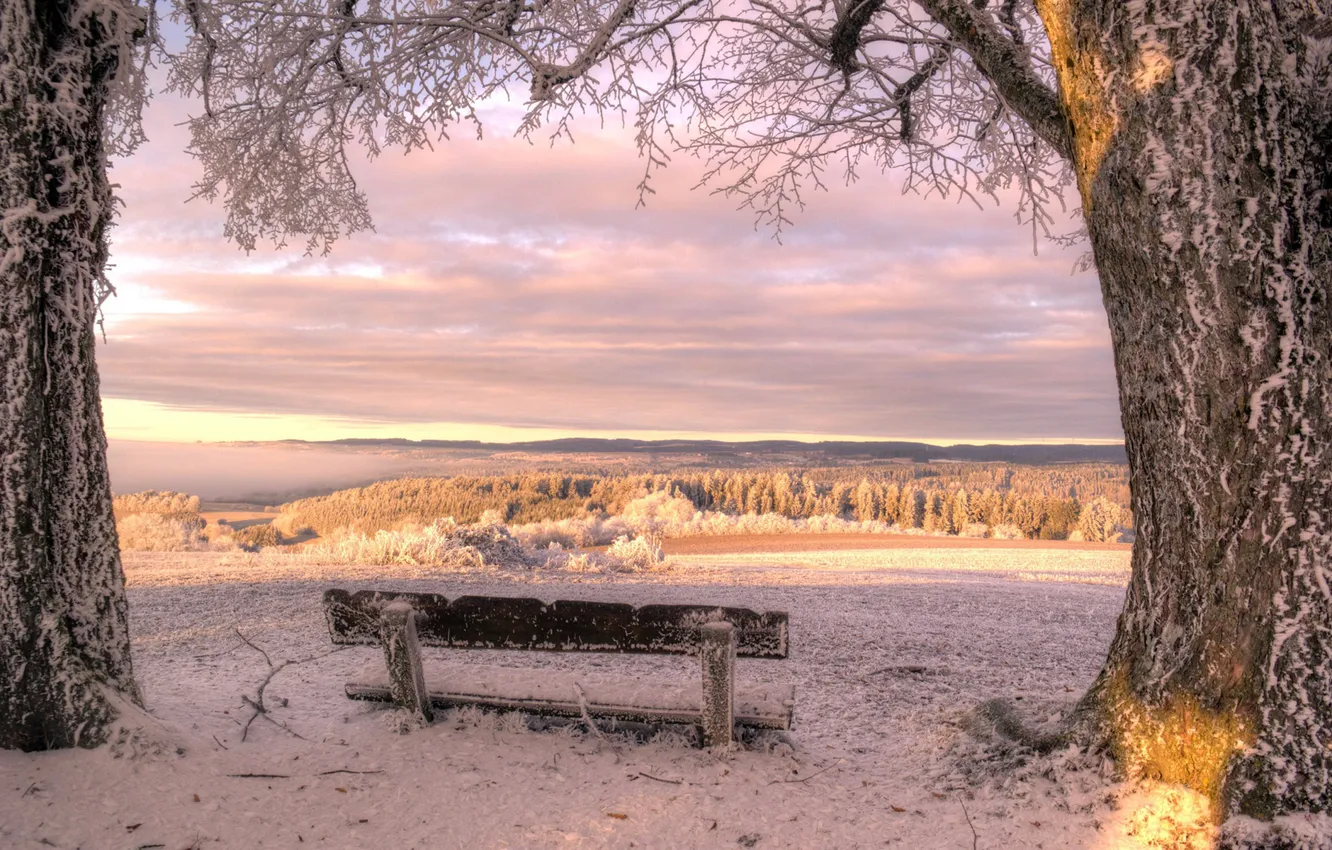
x: 512, y: 292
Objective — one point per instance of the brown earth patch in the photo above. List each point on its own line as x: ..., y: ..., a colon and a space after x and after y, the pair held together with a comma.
x: 237, y: 519
x: 728, y: 544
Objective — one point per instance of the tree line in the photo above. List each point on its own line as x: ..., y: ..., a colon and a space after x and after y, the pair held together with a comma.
x: 1041, y: 502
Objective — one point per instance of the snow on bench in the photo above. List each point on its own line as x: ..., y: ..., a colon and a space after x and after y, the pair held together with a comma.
x: 403, y: 622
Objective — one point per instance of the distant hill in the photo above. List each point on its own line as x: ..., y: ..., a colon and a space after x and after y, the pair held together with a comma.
x: 830, y: 452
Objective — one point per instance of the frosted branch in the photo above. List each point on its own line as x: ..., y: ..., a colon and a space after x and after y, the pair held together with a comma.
x: 773, y: 96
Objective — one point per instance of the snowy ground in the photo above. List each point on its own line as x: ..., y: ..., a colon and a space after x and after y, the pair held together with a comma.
x: 890, y: 649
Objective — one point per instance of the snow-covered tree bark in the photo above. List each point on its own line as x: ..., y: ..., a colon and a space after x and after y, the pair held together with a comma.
x: 65, y: 672
x: 1202, y: 145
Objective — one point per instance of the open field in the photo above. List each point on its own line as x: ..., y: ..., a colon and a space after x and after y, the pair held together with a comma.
x: 890, y: 651
x: 237, y: 516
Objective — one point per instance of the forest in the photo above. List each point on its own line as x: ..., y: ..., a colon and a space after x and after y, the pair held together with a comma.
x: 1041, y: 502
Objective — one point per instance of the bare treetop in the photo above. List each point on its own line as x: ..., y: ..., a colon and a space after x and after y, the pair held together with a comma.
x: 774, y: 96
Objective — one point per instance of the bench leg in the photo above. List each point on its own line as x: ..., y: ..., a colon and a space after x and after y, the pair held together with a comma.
x: 402, y: 653
x: 718, y: 657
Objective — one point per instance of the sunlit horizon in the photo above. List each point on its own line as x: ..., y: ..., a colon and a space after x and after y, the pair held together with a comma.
x: 139, y: 421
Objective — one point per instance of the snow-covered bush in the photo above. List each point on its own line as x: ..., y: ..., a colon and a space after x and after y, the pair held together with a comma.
x: 253, y: 537
x: 658, y: 511
x: 492, y: 542
x: 464, y: 547
x: 166, y: 502
x: 440, y: 544
x: 160, y: 521
x: 637, y: 555
x: 974, y: 529
x: 572, y: 533
x: 493, y: 516
x: 668, y: 518
x: 1006, y: 531
x: 155, y: 532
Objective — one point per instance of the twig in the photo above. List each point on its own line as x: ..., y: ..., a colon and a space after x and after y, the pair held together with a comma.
x: 258, y: 776
x: 587, y: 718
x: 260, y: 711
x: 227, y: 651
x: 345, y: 770
x: 251, y: 645
x: 257, y: 703
x: 659, y: 779
x: 975, y: 838
x: 807, y: 778
x: 219, y: 743
x: 918, y: 669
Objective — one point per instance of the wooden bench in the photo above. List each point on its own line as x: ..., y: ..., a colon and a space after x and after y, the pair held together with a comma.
x: 402, y: 622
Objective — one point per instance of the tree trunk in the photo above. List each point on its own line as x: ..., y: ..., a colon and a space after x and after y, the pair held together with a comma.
x: 65, y: 671
x: 1203, y: 150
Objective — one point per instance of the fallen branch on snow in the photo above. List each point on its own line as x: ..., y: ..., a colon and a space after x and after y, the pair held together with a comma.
x: 975, y: 837
x: 345, y: 770
x: 257, y: 702
x: 659, y: 779
x: 807, y: 778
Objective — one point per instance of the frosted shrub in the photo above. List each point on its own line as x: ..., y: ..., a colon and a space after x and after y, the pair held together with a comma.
x: 493, y: 516
x: 623, y: 555
x: 667, y: 518
x: 1006, y: 531
x: 254, y: 537
x: 974, y: 529
x: 543, y: 535
x: 440, y: 544
x: 720, y: 524
x: 491, y: 541
x: 160, y: 521
x: 572, y: 533
x: 167, y: 502
x: 637, y: 555
x: 427, y: 547
x: 829, y: 524
x: 222, y: 541
x: 154, y: 532
x: 581, y: 564
x: 658, y: 511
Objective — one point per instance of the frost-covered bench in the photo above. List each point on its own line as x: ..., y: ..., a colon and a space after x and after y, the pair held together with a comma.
x: 402, y: 622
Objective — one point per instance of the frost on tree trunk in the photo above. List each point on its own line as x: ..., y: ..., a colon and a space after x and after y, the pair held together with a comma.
x: 64, y: 644
x: 1203, y: 150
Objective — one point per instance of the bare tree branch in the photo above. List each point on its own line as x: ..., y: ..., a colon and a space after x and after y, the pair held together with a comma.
x: 844, y: 42
x: 774, y: 96
x: 1003, y: 61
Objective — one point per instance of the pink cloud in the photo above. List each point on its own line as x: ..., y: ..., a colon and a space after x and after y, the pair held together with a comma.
x: 511, y: 284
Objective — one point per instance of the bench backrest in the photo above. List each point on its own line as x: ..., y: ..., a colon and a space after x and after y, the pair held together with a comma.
x: 499, y: 622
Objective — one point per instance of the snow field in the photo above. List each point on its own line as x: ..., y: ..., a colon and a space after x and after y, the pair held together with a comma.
x: 890, y: 650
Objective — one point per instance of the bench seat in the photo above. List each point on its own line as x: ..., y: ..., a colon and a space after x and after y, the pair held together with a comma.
x: 401, y: 622
x: 554, y: 693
